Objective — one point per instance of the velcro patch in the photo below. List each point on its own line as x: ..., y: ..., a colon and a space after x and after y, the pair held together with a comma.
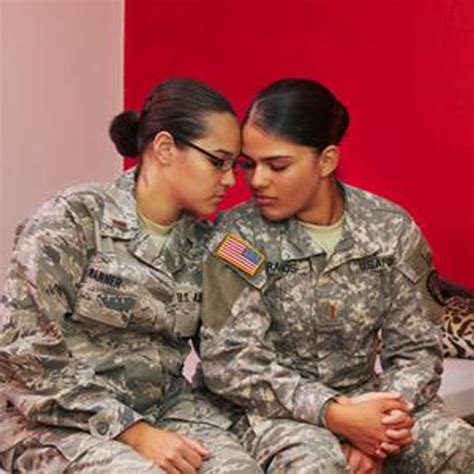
x: 240, y: 254
x: 433, y: 285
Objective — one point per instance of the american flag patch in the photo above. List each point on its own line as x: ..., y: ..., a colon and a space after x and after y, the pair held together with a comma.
x: 240, y: 254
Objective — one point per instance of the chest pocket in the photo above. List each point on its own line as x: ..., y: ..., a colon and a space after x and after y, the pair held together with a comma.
x: 114, y: 293
x: 290, y: 298
x: 185, y: 310
x: 350, y: 309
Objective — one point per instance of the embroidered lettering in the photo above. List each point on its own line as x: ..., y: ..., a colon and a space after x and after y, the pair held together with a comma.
x: 106, y: 278
x: 273, y: 268
x: 375, y: 263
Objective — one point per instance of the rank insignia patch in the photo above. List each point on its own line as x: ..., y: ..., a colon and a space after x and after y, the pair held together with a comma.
x: 240, y: 254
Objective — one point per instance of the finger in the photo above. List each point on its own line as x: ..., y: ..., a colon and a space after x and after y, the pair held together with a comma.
x: 346, y: 449
x: 191, y: 456
x: 371, y: 396
x: 183, y: 466
x: 380, y: 454
x: 394, y: 417
x: 406, y: 441
x: 197, y: 446
x: 367, y: 466
x: 389, y: 405
x: 407, y: 423
x: 389, y: 448
x: 355, y: 459
x: 169, y: 469
x: 396, y: 435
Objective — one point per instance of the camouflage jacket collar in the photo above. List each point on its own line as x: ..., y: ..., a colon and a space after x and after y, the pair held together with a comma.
x: 120, y: 221
x: 357, y: 240
x: 120, y: 215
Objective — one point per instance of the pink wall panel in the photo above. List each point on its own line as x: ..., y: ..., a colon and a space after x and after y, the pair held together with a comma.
x: 403, y: 68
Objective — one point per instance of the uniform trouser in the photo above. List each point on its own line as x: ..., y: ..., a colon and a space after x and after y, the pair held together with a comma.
x: 443, y: 444
x: 114, y: 457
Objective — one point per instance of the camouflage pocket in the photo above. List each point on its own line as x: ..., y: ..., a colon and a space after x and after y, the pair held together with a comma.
x: 331, y: 337
x: 186, y: 317
x: 194, y: 408
x: 106, y: 307
x: 184, y: 309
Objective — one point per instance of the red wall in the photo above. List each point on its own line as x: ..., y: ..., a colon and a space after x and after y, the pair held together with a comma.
x: 404, y: 69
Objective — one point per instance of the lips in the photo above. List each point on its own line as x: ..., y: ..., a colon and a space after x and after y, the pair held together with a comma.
x: 263, y: 200
x: 218, y: 197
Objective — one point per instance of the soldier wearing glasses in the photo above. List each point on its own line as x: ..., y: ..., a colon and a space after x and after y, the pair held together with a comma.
x: 102, y: 297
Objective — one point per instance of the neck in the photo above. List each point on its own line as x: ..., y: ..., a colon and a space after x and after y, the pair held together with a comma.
x: 154, y: 199
x: 327, y: 206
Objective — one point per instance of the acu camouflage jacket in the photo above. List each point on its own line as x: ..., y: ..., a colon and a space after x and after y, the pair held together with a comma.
x: 304, y: 328
x: 95, y: 322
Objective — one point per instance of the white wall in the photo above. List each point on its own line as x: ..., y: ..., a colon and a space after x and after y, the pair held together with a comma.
x: 61, y: 81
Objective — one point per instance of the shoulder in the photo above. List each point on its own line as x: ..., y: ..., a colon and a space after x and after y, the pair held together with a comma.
x: 66, y: 214
x: 239, y: 242
x: 387, y: 222
x: 373, y: 205
x: 245, y: 221
x: 86, y: 198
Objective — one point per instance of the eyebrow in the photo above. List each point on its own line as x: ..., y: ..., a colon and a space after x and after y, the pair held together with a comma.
x: 224, y: 152
x: 266, y: 158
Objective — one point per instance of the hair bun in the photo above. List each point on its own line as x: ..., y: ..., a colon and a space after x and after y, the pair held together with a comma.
x: 123, y: 131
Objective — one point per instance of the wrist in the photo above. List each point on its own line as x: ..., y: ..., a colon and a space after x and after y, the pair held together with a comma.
x: 132, y: 434
x: 323, y: 410
x: 336, y: 416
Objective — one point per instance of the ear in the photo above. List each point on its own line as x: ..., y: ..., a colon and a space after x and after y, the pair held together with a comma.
x: 164, y: 147
x: 328, y: 160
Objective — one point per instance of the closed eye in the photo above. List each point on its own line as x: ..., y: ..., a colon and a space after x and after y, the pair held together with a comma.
x: 247, y: 164
x: 278, y: 165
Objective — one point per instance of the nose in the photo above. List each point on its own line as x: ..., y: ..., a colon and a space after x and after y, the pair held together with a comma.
x: 257, y: 178
x: 228, y: 178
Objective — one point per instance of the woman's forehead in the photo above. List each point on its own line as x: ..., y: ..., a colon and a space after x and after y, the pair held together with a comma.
x: 259, y: 144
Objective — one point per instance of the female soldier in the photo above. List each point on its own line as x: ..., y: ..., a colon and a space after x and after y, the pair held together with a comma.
x: 102, y: 296
x: 297, y: 286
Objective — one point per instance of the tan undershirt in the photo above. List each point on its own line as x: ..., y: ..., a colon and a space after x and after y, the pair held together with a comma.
x: 158, y: 232
x: 326, y: 236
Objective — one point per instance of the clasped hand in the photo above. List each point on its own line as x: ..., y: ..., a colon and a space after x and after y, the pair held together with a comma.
x: 377, y: 423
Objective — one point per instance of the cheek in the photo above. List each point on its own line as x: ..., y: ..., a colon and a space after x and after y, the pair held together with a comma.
x: 291, y: 185
x: 205, y: 183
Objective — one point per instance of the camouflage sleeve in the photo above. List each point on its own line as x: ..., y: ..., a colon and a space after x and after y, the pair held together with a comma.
x: 411, y: 334
x: 239, y: 362
x: 38, y: 374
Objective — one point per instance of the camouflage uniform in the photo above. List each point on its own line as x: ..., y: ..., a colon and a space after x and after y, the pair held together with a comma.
x: 303, y: 329
x: 95, y: 327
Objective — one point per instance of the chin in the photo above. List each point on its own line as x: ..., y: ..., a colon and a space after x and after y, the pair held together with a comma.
x: 205, y: 210
x: 275, y: 214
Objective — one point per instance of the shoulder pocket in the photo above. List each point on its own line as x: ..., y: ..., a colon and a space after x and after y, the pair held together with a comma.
x: 221, y: 288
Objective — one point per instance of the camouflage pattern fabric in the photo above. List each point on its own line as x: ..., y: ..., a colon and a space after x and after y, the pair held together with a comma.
x: 444, y: 444
x: 283, y: 446
x: 304, y: 328
x: 53, y: 450
x: 95, y: 328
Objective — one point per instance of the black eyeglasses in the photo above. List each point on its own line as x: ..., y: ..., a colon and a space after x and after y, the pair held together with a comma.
x: 222, y: 164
